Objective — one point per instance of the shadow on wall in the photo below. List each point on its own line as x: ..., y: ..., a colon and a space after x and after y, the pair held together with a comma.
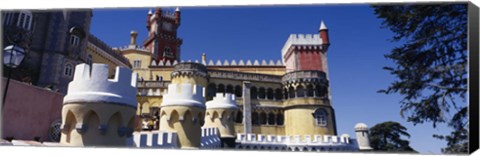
x: 30, y: 111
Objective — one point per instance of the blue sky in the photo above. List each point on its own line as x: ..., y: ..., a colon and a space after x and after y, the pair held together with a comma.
x: 355, y: 57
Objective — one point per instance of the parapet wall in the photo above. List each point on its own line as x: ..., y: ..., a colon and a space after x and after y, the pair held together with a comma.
x: 159, y: 139
x: 184, y: 94
x: 342, y: 143
x: 93, y: 85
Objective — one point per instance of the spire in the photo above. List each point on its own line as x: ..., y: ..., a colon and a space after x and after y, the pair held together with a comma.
x: 322, y: 26
x: 177, y: 9
x: 150, y: 12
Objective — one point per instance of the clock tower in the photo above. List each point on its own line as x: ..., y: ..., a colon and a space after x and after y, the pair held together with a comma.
x: 162, y: 40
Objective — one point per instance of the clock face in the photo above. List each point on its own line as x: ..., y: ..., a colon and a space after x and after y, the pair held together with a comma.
x: 167, y: 26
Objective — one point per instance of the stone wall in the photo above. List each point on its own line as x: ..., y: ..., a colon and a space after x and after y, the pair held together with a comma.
x: 29, y: 111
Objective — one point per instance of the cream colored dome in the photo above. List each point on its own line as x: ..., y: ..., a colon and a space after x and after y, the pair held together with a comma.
x: 361, y: 126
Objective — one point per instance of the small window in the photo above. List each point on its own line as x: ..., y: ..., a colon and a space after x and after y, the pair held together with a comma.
x: 68, y: 70
x: 89, y: 59
x: 74, y: 40
x: 320, y: 117
x: 167, y: 52
x: 137, y: 63
x: 8, y: 18
x: 24, y: 20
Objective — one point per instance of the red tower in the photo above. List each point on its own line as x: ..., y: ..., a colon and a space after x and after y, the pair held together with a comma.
x: 162, y: 37
x: 307, y: 51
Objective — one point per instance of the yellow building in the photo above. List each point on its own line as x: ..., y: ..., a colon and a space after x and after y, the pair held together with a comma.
x: 100, y: 52
x: 277, y: 102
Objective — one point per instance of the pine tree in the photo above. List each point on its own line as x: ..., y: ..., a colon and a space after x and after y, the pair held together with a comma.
x: 430, y: 65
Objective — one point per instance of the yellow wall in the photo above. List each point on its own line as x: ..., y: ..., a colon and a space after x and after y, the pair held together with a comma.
x: 144, y: 57
x: 99, y: 58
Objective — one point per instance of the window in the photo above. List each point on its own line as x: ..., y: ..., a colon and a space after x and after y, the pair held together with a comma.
x: 68, y: 70
x: 167, y: 52
x: 89, y: 59
x: 320, y: 117
x: 137, y: 63
x: 8, y: 18
x: 24, y: 20
x: 74, y: 40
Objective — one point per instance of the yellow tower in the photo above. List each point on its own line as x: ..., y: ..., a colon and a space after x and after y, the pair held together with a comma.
x: 307, y: 106
x: 189, y: 72
x: 221, y: 112
x: 98, y: 111
x: 183, y: 107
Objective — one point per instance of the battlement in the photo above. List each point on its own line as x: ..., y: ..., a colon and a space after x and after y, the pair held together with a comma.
x: 158, y: 139
x: 184, y: 94
x: 93, y: 85
x: 221, y: 100
x: 130, y: 47
x: 161, y: 139
x: 210, y: 138
x: 222, y: 63
x: 294, y: 140
x: 302, y: 39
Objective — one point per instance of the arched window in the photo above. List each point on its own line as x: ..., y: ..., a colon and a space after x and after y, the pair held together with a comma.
x: 253, y: 92
x: 300, y: 91
x: 263, y: 118
x: 261, y: 93
x: 74, y: 40
x: 291, y: 92
x: 310, y: 91
x: 271, y: 118
x: 278, y: 94
x: 229, y: 89
x: 279, y: 119
x: 255, y: 118
x: 285, y: 93
x: 320, y: 116
x: 238, y: 91
x: 270, y: 93
x: 68, y: 70
x: 221, y: 88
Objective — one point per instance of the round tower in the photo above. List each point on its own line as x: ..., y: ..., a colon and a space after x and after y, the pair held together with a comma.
x: 190, y: 72
x: 98, y: 111
x: 361, y: 131
x: 221, y: 113
x: 182, y: 111
x: 307, y: 107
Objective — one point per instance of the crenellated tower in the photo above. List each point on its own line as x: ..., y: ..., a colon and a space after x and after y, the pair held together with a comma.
x: 190, y: 72
x: 183, y: 106
x: 162, y: 40
x: 98, y: 111
x: 306, y: 86
x: 183, y: 111
x: 221, y: 112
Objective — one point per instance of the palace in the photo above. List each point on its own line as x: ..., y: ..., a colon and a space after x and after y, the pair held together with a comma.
x: 244, y: 104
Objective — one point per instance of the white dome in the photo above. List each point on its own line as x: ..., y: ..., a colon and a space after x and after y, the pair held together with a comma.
x: 361, y: 126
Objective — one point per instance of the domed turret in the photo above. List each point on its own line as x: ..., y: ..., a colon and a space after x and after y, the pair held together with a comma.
x: 361, y: 130
x: 221, y: 113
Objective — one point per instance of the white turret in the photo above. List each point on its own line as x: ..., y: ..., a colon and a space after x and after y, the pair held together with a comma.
x: 361, y: 130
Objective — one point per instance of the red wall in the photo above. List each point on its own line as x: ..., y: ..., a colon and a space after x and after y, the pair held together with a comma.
x: 29, y: 111
x: 310, y: 60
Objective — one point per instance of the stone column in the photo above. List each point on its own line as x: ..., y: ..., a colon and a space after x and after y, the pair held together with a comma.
x: 247, y: 109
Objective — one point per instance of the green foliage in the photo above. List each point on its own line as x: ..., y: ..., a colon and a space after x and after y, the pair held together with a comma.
x: 430, y: 65
x: 386, y: 136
